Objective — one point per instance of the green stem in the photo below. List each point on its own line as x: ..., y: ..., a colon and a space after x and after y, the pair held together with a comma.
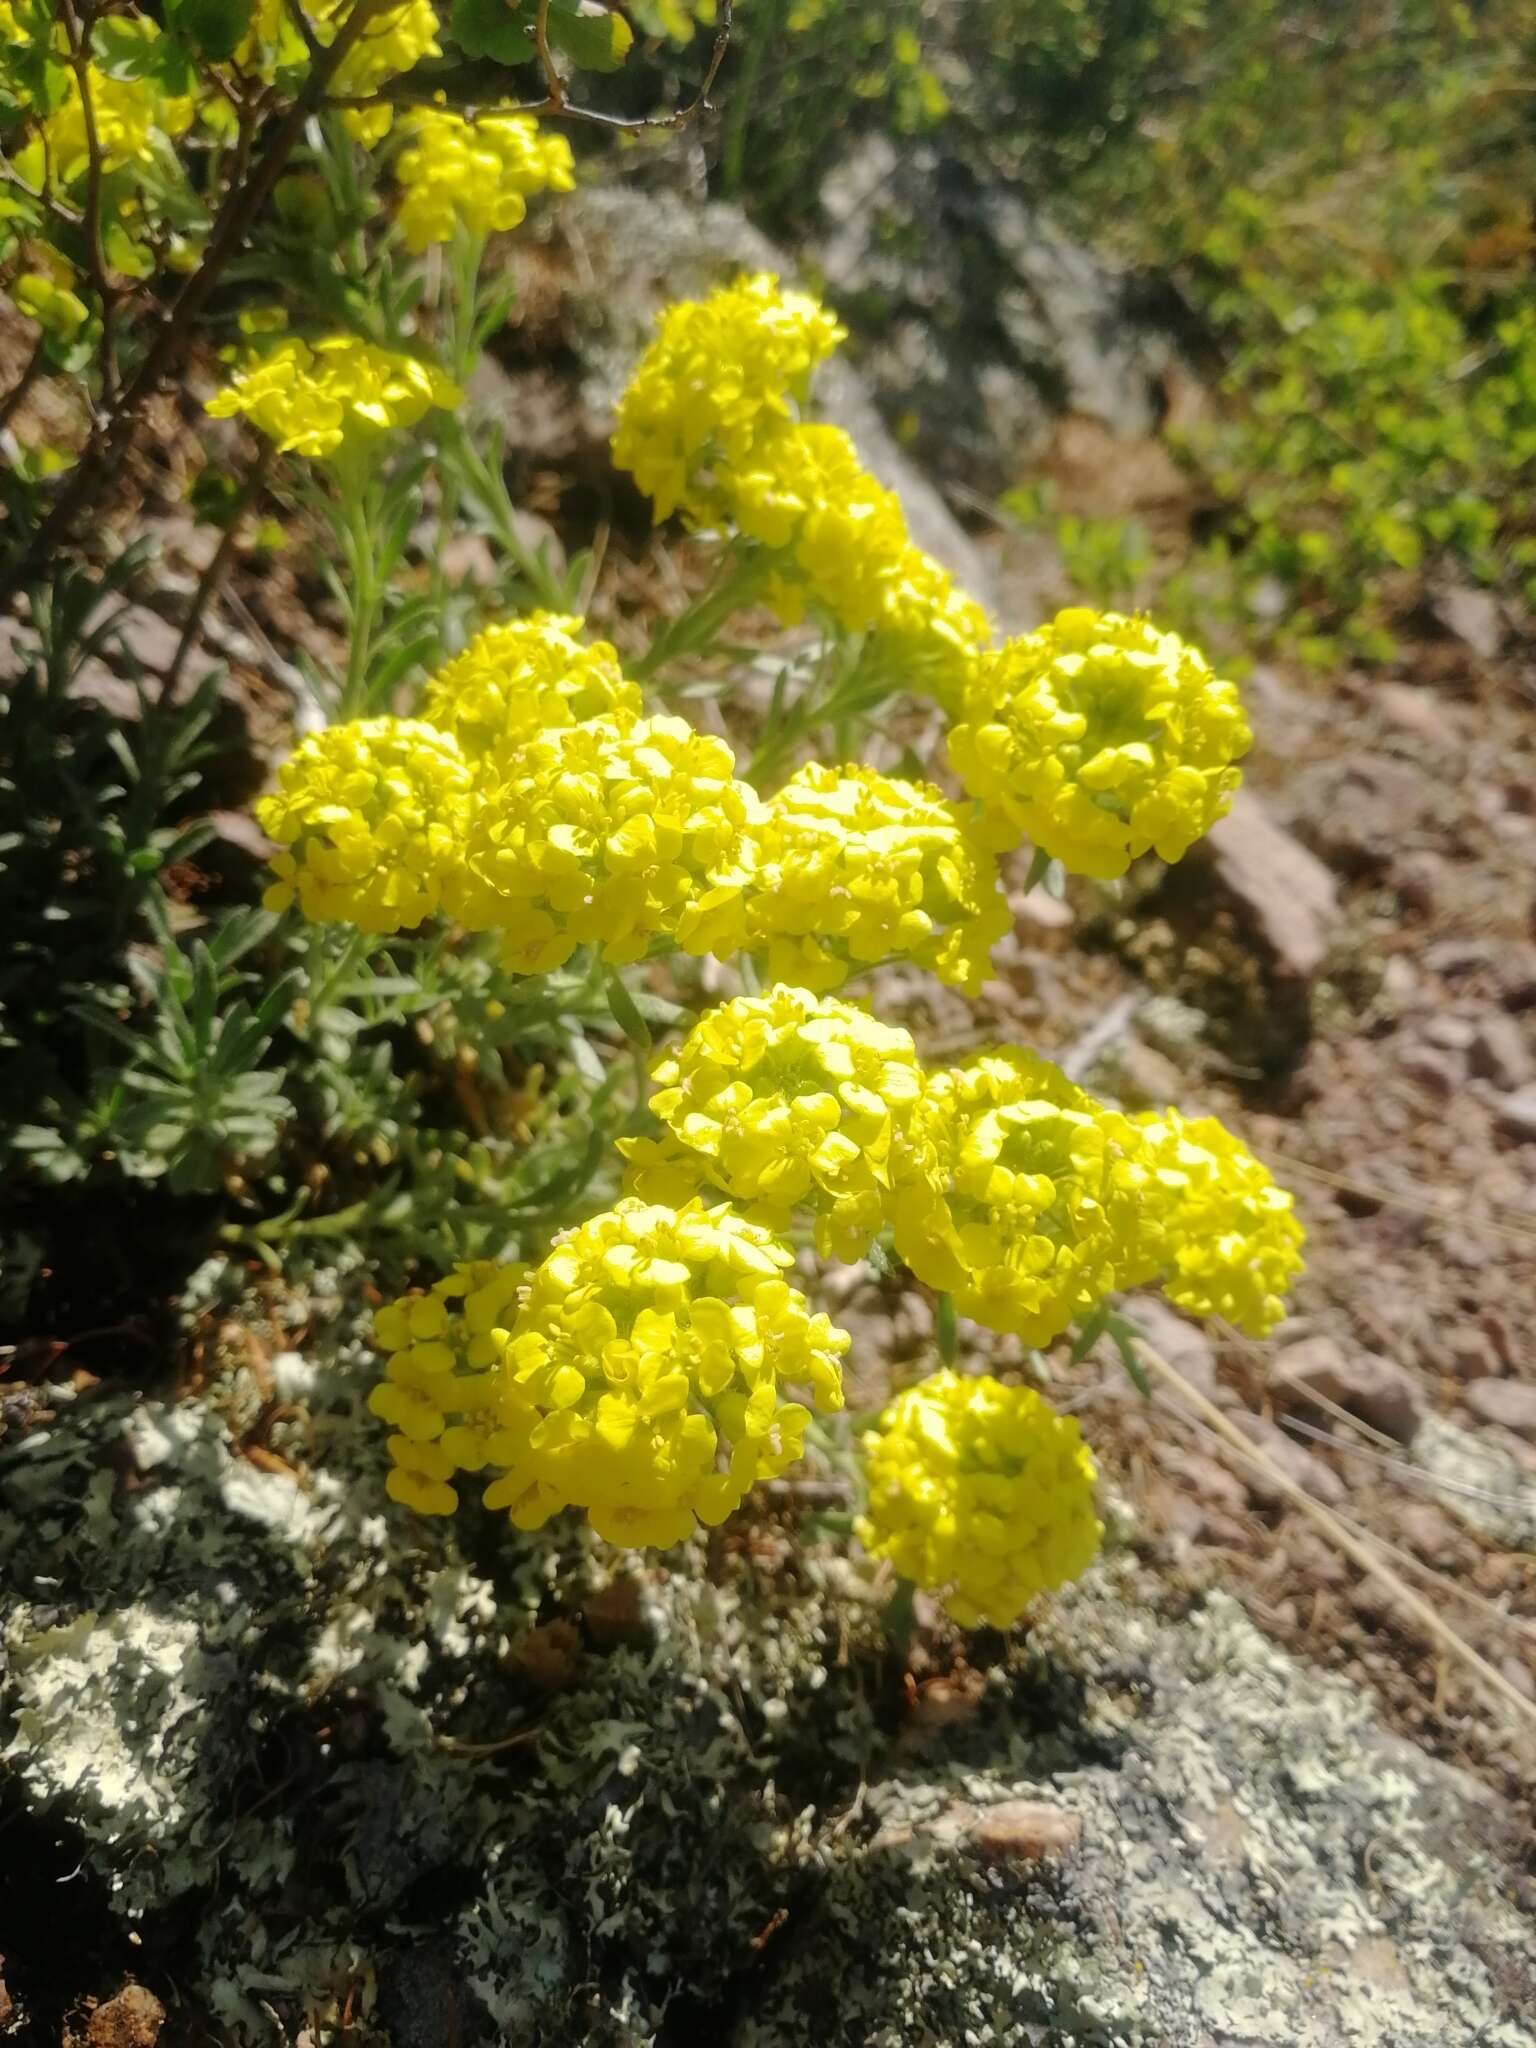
x: 760, y: 29
x: 353, y: 484
x: 865, y: 681
x: 698, y: 624
x: 467, y: 254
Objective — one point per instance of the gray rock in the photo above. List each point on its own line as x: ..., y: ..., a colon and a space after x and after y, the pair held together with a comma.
x: 1217, y: 1847
x: 1510, y: 1403
x: 1471, y: 616
x: 1516, y: 1115
x: 1303, y: 1467
x: 1185, y: 1345
x: 984, y: 319
x: 1499, y: 1052
x: 292, y: 1714
x: 1376, y: 1389
x: 1286, y: 896
x: 1441, y: 1072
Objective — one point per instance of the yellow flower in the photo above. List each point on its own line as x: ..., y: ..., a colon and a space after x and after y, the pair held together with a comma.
x: 783, y: 1101
x: 55, y: 308
x: 981, y: 1493
x: 804, y: 490
x: 129, y: 115
x: 651, y: 1370
x: 1017, y: 1194
x: 720, y: 370
x: 334, y: 395
x: 1213, y: 1222
x: 475, y: 174
x: 601, y: 834
x: 371, y: 817
x: 1098, y: 737
x: 521, y: 676
x: 394, y: 41
x: 848, y: 867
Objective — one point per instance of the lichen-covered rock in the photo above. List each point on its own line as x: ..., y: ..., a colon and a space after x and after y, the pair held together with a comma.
x: 315, y: 1730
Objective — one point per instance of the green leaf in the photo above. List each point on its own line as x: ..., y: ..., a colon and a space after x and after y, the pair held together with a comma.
x: 946, y: 1328
x: 626, y: 1015
x: 593, y: 41
x: 499, y: 29
x: 214, y: 28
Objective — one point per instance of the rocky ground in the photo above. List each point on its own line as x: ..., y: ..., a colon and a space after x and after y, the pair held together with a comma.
x: 286, y: 1766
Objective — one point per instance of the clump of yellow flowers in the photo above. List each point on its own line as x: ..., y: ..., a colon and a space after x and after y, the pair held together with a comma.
x: 785, y: 1101
x: 600, y: 834
x: 847, y: 867
x: 521, y: 677
x: 710, y: 426
x: 1099, y: 737
x: 322, y: 398
x: 981, y: 1492
x: 657, y: 1363
x: 370, y: 818
x: 649, y: 1371
x: 475, y: 174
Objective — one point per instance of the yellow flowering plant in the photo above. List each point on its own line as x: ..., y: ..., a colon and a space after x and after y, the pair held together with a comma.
x: 644, y: 1357
x: 507, y: 864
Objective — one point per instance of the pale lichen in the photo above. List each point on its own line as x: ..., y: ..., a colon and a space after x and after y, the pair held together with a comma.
x: 317, y: 1720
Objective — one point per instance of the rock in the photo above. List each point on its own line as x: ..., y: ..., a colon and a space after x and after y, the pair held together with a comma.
x: 1376, y: 1389
x: 1499, y: 1053
x: 1287, y: 897
x: 982, y: 316
x: 1418, y: 713
x: 1303, y: 1467
x: 1024, y: 1831
x: 637, y: 252
x: 1429, y: 1533
x: 1454, y: 958
x: 1440, y: 1072
x: 1185, y: 1345
x: 1357, y: 811
x: 1450, y: 1032
x: 1472, y: 1353
x: 1471, y: 616
x: 1516, y: 1115
x: 131, y: 2020
x: 959, y: 1951
x: 311, y: 1719
x: 1211, y: 1484
x: 1509, y: 1403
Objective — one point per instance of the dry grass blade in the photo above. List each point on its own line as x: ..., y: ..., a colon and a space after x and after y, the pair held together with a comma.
x: 1357, y: 1547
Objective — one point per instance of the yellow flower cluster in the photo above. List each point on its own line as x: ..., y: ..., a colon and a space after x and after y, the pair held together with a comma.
x: 1224, y: 1236
x: 805, y: 491
x: 709, y: 425
x: 784, y: 1101
x: 475, y: 174
x: 1098, y: 737
x: 647, y: 1371
x: 980, y: 1492
x: 521, y: 676
x: 847, y: 867
x: 371, y: 817
x: 620, y: 830
x: 128, y: 115
x: 602, y: 834
x: 1018, y: 1195
x: 325, y: 398
x: 720, y: 372
x: 394, y: 41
